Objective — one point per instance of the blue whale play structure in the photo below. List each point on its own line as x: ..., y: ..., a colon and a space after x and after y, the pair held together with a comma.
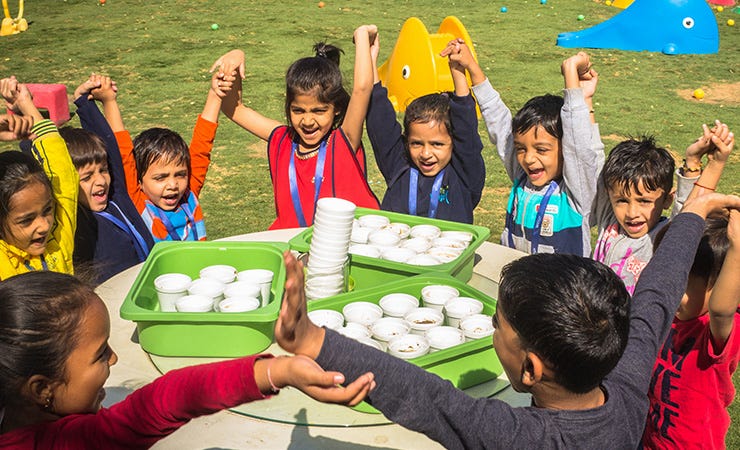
x: 673, y: 27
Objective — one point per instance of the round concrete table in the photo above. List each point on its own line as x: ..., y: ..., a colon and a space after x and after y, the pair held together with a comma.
x: 235, y: 430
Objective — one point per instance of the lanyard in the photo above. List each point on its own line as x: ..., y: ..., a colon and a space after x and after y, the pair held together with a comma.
x: 318, y: 178
x: 44, y: 266
x: 171, y: 228
x: 140, y: 245
x: 538, y: 219
x: 433, y: 197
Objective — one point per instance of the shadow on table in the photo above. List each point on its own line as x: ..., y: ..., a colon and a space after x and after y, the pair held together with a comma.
x: 300, y: 439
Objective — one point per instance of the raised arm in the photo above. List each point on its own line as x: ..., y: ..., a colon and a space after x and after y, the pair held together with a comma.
x: 583, y: 151
x: 203, y: 136
x: 717, y: 143
x: 365, y: 37
x: 232, y: 105
x: 725, y: 297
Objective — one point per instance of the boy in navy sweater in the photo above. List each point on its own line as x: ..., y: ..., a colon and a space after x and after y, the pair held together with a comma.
x: 433, y: 168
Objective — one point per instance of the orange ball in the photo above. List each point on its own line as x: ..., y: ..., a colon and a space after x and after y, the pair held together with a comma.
x: 322, y: 4
x: 102, y: 2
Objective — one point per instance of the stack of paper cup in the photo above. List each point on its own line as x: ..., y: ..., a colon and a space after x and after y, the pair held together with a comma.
x: 328, y: 253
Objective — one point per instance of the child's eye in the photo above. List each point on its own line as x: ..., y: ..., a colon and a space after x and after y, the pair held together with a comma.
x: 520, y: 150
x: 543, y: 150
x: 85, y: 180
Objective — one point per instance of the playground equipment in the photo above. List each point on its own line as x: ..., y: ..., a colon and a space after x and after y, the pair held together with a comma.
x: 10, y: 25
x: 415, y: 67
x: 673, y: 27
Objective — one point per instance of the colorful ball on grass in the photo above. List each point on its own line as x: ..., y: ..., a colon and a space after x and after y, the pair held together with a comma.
x: 608, y: 3
x: 720, y: 9
x: 504, y: 9
x: 581, y: 17
x: 102, y: 2
x: 322, y: 4
x: 214, y: 26
x: 543, y: 2
x: 698, y: 94
x: 730, y: 22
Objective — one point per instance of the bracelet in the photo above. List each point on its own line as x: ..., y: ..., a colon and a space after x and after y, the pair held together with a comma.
x: 686, y: 168
x: 274, y: 388
x: 703, y: 187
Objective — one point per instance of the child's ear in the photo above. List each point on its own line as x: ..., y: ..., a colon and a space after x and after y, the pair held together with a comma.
x: 668, y: 200
x: 39, y: 389
x: 532, y: 369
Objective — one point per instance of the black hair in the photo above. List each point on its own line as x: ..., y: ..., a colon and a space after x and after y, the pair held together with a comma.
x: 543, y: 111
x: 40, y: 317
x: 713, y: 246
x: 573, y: 312
x: 428, y: 108
x: 157, y: 144
x: 17, y: 171
x: 639, y: 160
x: 319, y: 75
x: 85, y: 147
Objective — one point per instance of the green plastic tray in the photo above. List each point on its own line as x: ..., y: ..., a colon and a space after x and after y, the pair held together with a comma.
x: 465, y: 365
x: 209, y: 334
x: 370, y: 272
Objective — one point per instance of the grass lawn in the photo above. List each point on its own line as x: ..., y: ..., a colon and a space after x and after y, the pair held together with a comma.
x: 159, y: 53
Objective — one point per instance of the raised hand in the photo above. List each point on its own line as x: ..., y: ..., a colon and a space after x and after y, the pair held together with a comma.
x: 14, y: 127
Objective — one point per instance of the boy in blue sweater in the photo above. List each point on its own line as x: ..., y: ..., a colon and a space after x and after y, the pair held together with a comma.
x: 433, y: 168
x: 111, y: 235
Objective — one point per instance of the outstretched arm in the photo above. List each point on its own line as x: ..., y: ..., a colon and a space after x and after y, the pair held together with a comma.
x: 725, y: 297
x: 232, y: 105
x: 717, y: 145
x: 365, y: 37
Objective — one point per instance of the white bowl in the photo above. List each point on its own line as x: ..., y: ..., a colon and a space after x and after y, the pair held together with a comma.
x: 373, y: 221
x: 359, y: 235
x: 423, y: 260
x: 425, y: 231
x: 444, y: 254
x: 386, y: 328
x: 401, y: 229
x: 194, y: 303
x: 408, y: 346
x: 449, y: 242
x: 170, y: 287
x: 383, y: 238
x: 221, y: 272
x: 326, y: 318
x: 444, y: 337
x: 459, y: 235
x: 242, y: 289
x: 436, y: 295
x: 336, y: 206
x: 419, y: 245
x: 422, y: 319
x: 397, y: 254
x: 476, y: 326
x: 398, y: 304
x: 209, y: 287
x: 355, y: 331
x: 364, y: 313
x: 370, y: 251
x: 459, y: 307
x: 238, y: 304
x: 373, y: 343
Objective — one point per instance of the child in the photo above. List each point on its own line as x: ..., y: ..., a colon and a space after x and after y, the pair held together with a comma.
x: 692, y: 383
x: 440, y: 130
x: 564, y: 333
x: 111, y: 235
x: 319, y: 154
x: 163, y: 176
x: 56, y: 359
x: 553, y: 153
x: 38, y: 199
x: 636, y: 186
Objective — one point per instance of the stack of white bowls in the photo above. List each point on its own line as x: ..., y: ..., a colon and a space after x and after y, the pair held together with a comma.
x: 328, y: 253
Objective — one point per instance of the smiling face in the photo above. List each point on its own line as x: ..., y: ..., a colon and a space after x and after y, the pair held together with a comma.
x: 165, y: 182
x: 538, y: 153
x: 94, y: 185
x: 311, y: 119
x: 430, y: 146
x: 30, y: 218
x: 88, y: 366
x: 638, y: 210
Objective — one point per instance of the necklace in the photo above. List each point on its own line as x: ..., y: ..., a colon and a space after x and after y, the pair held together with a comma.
x: 307, y: 155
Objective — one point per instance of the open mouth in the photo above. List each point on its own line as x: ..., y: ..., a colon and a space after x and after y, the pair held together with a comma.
x: 535, y: 174
x: 633, y: 227
x: 427, y: 166
x: 100, y: 196
x: 170, y: 200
